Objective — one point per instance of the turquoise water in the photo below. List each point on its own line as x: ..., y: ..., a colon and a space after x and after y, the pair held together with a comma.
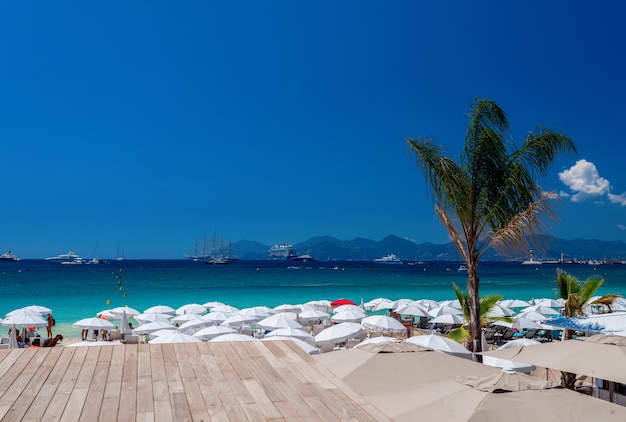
x: 76, y: 292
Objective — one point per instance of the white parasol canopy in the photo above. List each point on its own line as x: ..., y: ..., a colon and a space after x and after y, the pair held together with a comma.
x: 351, y: 315
x: 94, y: 323
x: 277, y: 321
x: 159, y: 309
x: 152, y: 327
x: 447, y: 319
x: 339, y: 333
x: 191, y: 308
x: 440, y: 344
x: 313, y: 315
x: 383, y: 324
x: 232, y: 337
x: 292, y: 332
x: 175, y: 337
x: 208, y: 333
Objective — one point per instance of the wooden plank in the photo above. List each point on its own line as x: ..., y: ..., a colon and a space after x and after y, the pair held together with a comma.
x: 12, y: 375
x: 178, y: 399
x: 95, y: 395
x: 239, y: 390
x: 145, y: 396
x: 186, y: 354
x: 44, y: 397
x: 128, y: 400
x: 206, y: 384
x: 67, y: 384
x: 40, y: 367
x: 222, y: 387
x: 162, y: 406
x: 264, y: 406
x: 113, y: 386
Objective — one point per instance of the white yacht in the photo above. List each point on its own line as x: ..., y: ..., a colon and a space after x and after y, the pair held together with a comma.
x: 9, y: 256
x: 66, y: 257
x: 389, y: 259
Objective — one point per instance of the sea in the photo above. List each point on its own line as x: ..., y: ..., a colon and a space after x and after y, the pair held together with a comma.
x: 74, y: 292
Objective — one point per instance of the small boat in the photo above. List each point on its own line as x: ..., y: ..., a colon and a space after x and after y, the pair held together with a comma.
x: 303, y: 258
x: 76, y: 261
x: 462, y: 268
x: 9, y: 256
x: 389, y: 259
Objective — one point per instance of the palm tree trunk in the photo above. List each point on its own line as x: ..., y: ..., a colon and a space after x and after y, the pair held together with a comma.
x: 474, y: 308
x: 568, y: 379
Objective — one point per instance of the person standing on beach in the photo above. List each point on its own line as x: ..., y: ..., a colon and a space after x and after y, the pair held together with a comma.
x: 50, y: 324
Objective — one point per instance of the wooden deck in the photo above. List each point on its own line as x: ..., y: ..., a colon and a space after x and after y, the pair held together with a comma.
x: 239, y: 381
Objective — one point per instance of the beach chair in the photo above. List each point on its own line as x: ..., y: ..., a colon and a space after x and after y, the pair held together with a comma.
x: 325, y: 348
x: 115, y: 335
x: 352, y: 342
x: 490, y: 336
x: 530, y: 334
x: 508, y: 335
x: 131, y: 339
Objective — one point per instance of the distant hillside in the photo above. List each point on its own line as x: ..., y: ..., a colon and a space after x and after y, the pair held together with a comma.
x: 330, y: 248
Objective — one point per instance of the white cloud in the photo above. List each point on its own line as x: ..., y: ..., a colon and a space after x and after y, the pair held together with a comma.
x: 621, y: 226
x: 583, y: 178
x: 564, y: 194
x: 618, y: 199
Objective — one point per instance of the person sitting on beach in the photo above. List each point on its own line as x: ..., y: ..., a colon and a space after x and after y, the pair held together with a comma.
x: 51, y: 342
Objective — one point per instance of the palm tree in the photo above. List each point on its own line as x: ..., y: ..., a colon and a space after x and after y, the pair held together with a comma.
x: 578, y: 296
x: 491, y: 198
x: 487, y: 303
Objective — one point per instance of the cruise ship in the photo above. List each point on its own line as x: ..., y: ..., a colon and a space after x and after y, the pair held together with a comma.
x: 284, y: 251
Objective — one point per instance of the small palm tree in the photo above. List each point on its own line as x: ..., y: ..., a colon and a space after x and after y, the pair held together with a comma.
x: 577, y: 297
x: 491, y: 198
x: 487, y: 303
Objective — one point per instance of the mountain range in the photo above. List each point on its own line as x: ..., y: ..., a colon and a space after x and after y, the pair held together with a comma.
x: 330, y: 248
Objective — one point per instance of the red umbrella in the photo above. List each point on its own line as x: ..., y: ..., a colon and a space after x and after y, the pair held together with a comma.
x: 340, y: 302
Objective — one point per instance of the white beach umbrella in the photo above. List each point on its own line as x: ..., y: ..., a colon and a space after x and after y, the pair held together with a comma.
x: 212, y: 304
x: 313, y: 315
x: 152, y: 327
x: 208, y: 333
x: 225, y: 308
x: 383, y: 324
x: 159, y: 309
x: 21, y: 311
x: 522, y: 323
x: 339, y: 333
x: 291, y: 315
x: 232, y: 337
x: 160, y: 333
x: 533, y: 316
x: 349, y: 316
x: 401, y: 302
x: 286, y: 307
x: 192, y: 326
x: 440, y: 344
x: 120, y: 310
x: 499, y: 311
x: 383, y: 305
x: 181, y: 319
x: 308, y: 348
x: 175, y: 337
x: 551, y: 303
x: 277, y: 321
x: 447, y: 319
x: 344, y: 308
x: 319, y: 305
x: 413, y: 309
x: 94, y: 323
x: 238, y: 320
x: 256, y: 311
x: 502, y: 324
x: 542, y: 309
x: 217, y: 317
x: 371, y: 304
x: 145, y: 318
x: 443, y: 310
x: 514, y: 303
x: 107, y: 314
x: 41, y: 310
x: 519, y: 343
x: 376, y: 340
x: 292, y: 332
x: 24, y: 318
x: 191, y: 308
x: 451, y: 303
x: 428, y: 303
x: 13, y: 344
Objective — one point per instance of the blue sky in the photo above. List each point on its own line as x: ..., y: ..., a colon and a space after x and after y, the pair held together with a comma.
x: 148, y: 124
